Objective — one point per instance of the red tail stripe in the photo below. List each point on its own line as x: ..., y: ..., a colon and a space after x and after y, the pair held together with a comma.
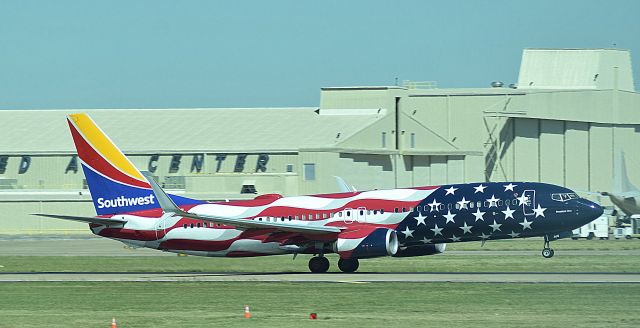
x: 97, y: 162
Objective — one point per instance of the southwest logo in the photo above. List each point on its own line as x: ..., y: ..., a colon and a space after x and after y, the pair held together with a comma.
x: 123, y: 201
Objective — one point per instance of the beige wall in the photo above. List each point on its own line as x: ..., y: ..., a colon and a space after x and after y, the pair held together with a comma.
x: 565, y: 138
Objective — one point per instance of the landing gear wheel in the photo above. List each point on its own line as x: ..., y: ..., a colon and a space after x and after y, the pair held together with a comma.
x: 348, y: 265
x: 319, y: 264
x: 547, y: 251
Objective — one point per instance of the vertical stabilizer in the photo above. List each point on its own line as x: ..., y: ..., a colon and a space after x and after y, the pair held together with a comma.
x: 116, y: 185
x: 621, y: 181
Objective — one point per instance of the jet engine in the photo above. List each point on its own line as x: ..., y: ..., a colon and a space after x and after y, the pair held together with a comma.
x: 380, y: 242
x: 421, y: 250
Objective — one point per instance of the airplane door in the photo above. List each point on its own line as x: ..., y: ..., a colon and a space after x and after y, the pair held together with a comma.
x: 361, y: 214
x: 529, y: 197
x: 349, y: 215
x: 161, y: 228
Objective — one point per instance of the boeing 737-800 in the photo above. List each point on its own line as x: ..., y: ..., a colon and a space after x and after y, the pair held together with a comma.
x: 401, y: 222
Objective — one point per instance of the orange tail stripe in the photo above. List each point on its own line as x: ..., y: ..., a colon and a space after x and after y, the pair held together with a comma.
x: 104, y: 145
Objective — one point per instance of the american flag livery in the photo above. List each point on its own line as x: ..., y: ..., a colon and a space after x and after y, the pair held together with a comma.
x: 400, y: 222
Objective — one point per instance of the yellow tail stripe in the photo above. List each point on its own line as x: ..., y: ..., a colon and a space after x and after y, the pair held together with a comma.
x: 104, y: 145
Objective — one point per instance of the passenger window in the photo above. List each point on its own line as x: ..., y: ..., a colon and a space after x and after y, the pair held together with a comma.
x: 486, y: 204
x: 184, y: 225
x: 339, y: 214
x: 191, y: 225
x: 404, y: 210
x: 411, y: 209
x: 457, y: 206
x: 472, y: 204
x: 479, y: 204
x: 348, y: 213
x: 324, y: 215
x: 448, y: 206
x: 499, y: 202
x: 199, y: 225
x: 375, y: 212
x: 361, y: 212
x: 317, y: 216
x: 382, y: 211
x: 507, y: 202
x: 441, y: 207
x: 368, y: 212
x: 395, y: 210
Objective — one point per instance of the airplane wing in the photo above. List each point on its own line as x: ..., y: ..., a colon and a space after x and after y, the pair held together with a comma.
x: 85, y: 219
x: 168, y: 206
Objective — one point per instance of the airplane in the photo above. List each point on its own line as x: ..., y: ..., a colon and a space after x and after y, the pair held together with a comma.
x: 625, y: 195
x: 132, y: 208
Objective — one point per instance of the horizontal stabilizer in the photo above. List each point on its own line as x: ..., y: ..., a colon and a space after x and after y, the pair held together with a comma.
x: 85, y: 219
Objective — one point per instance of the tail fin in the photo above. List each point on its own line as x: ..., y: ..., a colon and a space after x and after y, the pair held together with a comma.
x: 621, y: 181
x: 116, y: 185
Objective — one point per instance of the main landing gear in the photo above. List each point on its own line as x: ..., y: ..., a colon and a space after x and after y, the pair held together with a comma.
x: 547, y: 251
x: 320, y: 264
x: 348, y: 265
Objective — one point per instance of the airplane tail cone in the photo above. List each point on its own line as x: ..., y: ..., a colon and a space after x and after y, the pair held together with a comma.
x: 247, y: 312
x: 113, y: 323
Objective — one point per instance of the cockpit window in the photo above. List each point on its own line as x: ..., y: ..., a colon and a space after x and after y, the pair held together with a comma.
x: 563, y: 197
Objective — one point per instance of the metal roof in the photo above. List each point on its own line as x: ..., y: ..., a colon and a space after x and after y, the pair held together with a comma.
x: 183, y: 130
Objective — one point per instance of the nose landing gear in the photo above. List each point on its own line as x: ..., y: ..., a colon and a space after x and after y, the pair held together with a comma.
x: 547, y: 251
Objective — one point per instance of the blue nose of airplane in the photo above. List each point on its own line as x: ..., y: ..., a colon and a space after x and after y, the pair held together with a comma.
x: 589, y: 210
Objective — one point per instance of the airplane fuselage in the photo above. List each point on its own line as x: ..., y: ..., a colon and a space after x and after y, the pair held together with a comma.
x: 420, y: 218
x: 628, y: 205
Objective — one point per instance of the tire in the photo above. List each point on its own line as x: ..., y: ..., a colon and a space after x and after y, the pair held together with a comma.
x: 590, y: 236
x: 348, y: 265
x: 574, y: 238
x: 319, y: 264
x: 627, y: 237
x: 547, y: 253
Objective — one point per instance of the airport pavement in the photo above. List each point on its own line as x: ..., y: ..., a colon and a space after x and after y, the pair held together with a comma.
x: 97, y: 246
x: 363, y: 277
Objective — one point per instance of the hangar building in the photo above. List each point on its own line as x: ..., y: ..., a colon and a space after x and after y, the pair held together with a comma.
x: 563, y: 122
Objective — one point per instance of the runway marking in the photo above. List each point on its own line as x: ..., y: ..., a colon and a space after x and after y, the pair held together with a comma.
x: 353, y: 282
x: 358, y: 278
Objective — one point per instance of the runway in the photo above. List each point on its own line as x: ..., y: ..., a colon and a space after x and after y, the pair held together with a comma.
x: 96, y: 246
x: 101, y: 247
x: 364, y: 277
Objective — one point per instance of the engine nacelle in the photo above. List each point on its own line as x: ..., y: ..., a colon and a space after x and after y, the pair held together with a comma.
x: 421, y: 250
x: 380, y: 242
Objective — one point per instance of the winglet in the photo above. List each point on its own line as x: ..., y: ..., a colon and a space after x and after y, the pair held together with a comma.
x: 166, y: 203
x: 343, y: 186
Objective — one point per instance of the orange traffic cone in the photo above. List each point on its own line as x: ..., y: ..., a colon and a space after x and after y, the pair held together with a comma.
x: 113, y: 323
x: 247, y: 313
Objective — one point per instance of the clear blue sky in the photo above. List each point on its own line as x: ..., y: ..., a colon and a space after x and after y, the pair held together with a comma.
x: 168, y: 53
